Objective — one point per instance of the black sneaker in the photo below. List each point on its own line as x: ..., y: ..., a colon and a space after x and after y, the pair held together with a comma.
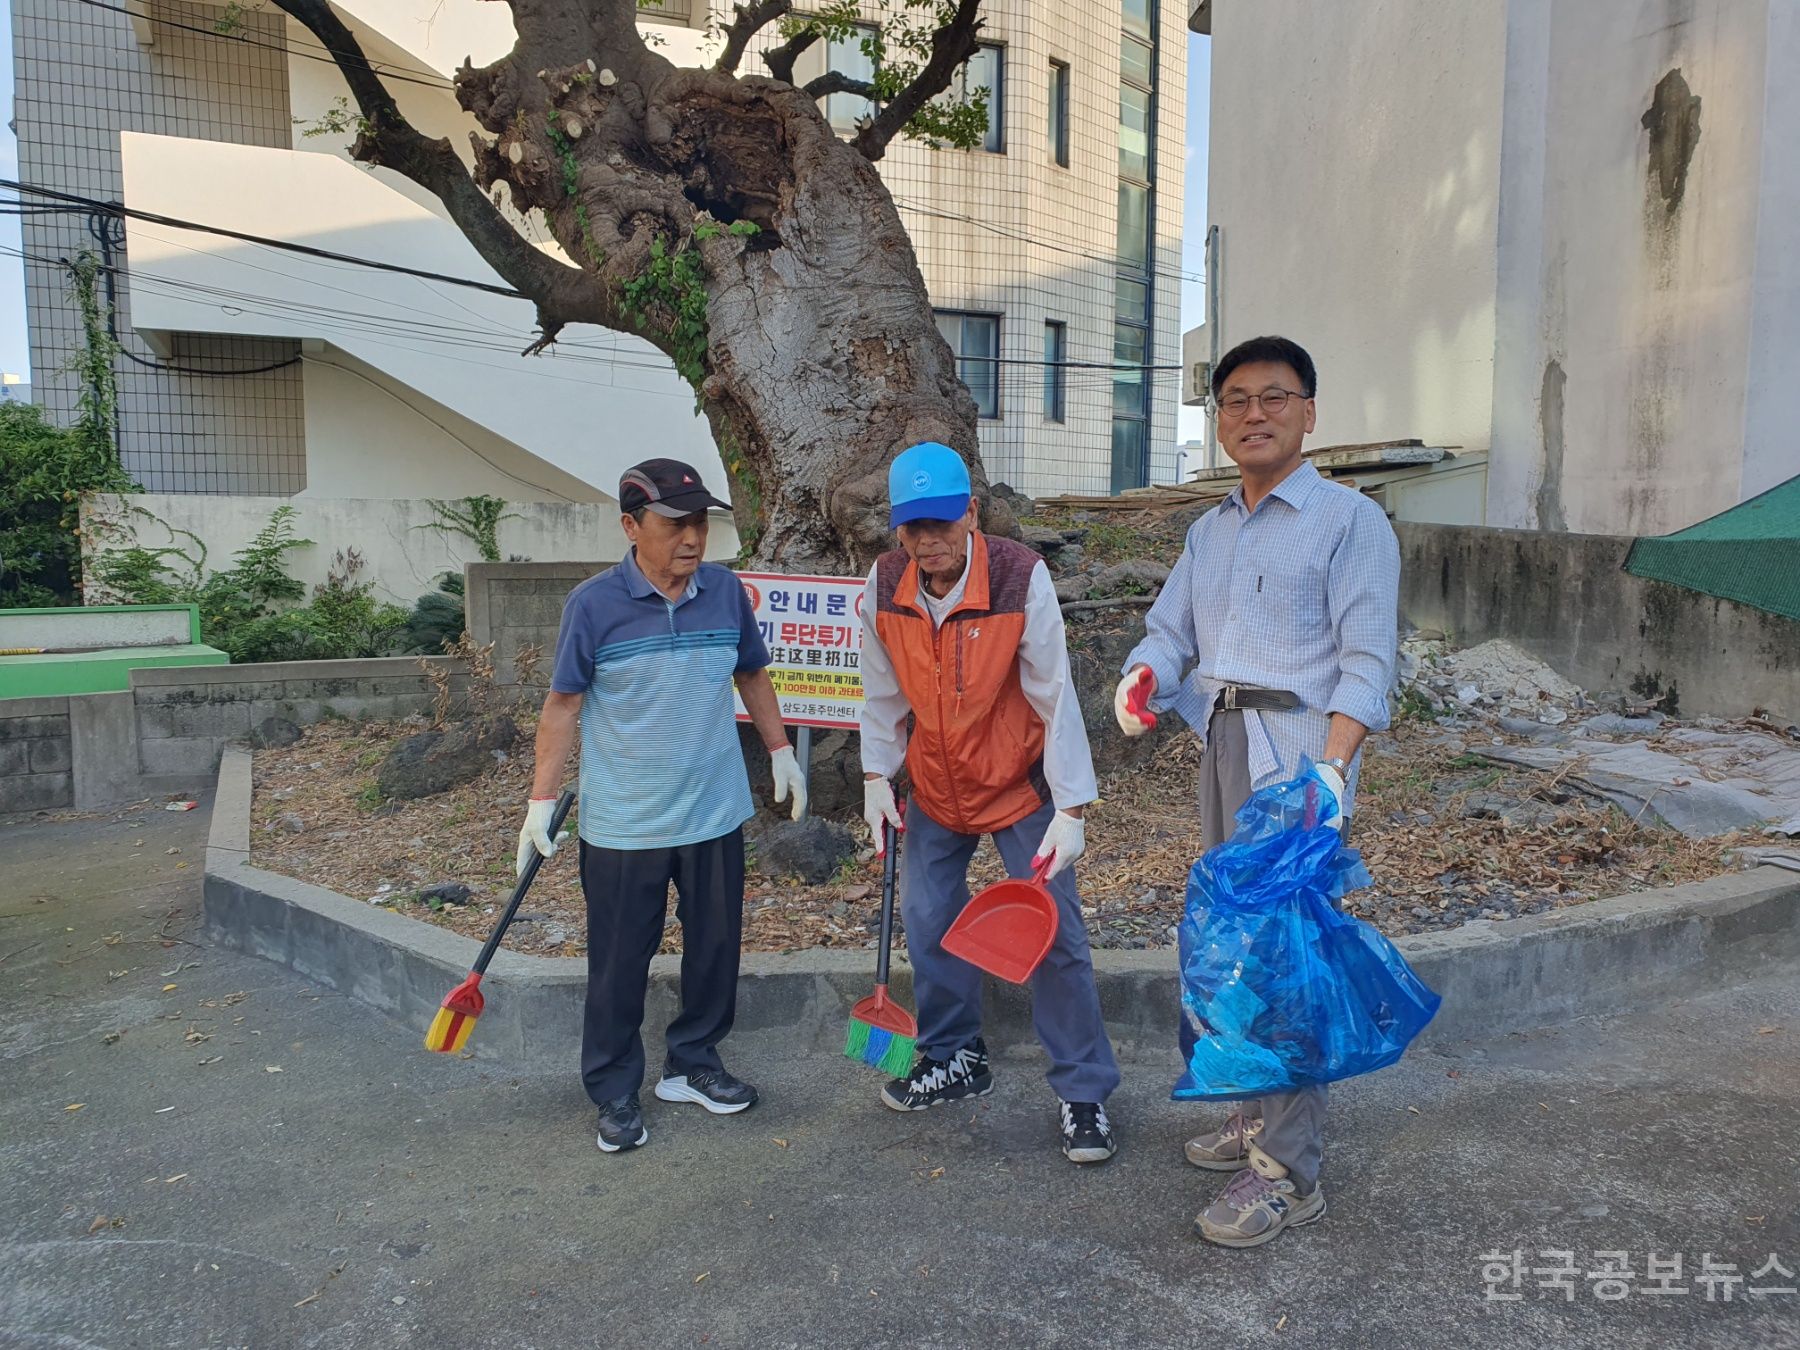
x: 715, y: 1089
x: 622, y: 1125
x: 964, y: 1074
x: 1087, y: 1136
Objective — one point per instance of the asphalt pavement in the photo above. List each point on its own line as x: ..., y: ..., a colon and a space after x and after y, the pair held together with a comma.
x: 201, y: 1149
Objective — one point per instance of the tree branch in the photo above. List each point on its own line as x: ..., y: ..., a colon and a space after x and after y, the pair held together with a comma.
x: 1115, y: 602
x: 836, y: 82
x: 562, y: 294
x: 951, y: 45
x: 751, y: 19
x: 780, y: 60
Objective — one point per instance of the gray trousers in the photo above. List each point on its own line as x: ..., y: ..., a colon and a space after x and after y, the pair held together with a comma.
x: 1065, y: 1001
x: 1293, y: 1130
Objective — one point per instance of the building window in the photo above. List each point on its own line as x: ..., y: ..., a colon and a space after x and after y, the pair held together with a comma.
x: 984, y: 70
x: 1131, y: 344
x: 1059, y: 112
x: 1137, y: 204
x: 1056, y: 353
x: 1137, y: 62
x: 1130, y: 464
x: 1134, y: 133
x: 1134, y: 228
x: 1131, y: 300
x: 975, y: 338
x: 853, y: 56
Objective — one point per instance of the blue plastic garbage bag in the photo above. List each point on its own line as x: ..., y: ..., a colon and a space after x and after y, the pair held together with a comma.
x: 1280, y: 988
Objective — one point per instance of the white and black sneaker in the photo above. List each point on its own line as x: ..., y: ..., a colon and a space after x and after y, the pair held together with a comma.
x: 1087, y: 1135
x: 964, y: 1074
x: 622, y: 1125
x: 715, y: 1089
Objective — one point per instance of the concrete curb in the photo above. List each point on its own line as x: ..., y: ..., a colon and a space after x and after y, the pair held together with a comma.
x: 1495, y: 977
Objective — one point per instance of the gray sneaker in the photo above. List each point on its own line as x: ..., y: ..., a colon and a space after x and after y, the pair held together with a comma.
x: 1227, y: 1148
x: 1257, y: 1204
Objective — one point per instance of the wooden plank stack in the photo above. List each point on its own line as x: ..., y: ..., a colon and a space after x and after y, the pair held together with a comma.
x: 1365, y: 467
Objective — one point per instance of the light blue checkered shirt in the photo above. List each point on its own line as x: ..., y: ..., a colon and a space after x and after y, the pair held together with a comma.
x: 1300, y: 594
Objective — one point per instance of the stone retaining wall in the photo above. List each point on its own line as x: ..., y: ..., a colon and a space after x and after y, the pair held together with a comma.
x: 516, y: 605
x: 36, y: 769
x: 165, y: 734
x: 1567, y: 600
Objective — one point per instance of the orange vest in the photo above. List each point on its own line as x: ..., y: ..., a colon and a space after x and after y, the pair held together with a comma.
x: 976, y: 753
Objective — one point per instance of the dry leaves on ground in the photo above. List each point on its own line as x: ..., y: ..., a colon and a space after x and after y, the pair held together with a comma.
x: 1447, y: 836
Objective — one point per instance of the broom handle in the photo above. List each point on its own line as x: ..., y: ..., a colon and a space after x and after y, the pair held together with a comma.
x: 526, y: 878
x: 889, y: 866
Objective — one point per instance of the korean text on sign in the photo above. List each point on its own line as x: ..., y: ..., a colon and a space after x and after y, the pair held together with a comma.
x: 813, y: 628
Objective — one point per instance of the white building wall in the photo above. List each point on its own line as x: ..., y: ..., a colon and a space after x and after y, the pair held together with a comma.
x: 1638, y: 259
x: 1171, y: 263
x: 425, y: 94
x: 402, y: 550
x: 591, y: 406
x: 1353, y: 175
x: 1771, y: 445
x: 1490, y: 232
x: 367, y: 435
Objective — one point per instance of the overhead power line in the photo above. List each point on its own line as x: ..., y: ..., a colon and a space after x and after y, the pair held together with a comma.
x: 75, y: 203
x: 289, y: 47
x: 286, y: 245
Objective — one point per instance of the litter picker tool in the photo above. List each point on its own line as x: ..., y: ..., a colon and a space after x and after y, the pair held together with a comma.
x: 450, y: 1029
x: 882, y: 1033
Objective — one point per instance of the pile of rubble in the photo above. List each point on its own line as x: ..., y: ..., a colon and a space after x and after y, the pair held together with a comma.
x: 1495, y: 678
x: 1705, y: 778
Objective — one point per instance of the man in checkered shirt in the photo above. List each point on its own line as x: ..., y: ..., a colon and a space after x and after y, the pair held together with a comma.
x: 1274, y: 638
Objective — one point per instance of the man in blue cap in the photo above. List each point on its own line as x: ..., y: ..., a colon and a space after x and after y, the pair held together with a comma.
x: 963, y: 634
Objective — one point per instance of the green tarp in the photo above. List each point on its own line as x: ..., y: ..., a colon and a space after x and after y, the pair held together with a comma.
x: 1750, y: 553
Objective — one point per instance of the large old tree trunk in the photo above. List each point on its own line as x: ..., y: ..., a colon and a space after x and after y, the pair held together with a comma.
x: 720, y: 217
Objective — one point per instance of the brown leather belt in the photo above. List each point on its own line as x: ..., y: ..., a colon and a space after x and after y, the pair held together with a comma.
x: 1234, y: 697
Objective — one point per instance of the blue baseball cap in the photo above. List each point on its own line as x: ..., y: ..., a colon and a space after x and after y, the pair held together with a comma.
x: 928, y: 482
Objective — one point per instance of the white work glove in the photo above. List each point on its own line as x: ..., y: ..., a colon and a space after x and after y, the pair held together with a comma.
x: 879, y: 807
x: 1324, y: 783
x: 536, y: 832
x: 1064, y: 842
x: 788, y: 778
x: 1139, y: 681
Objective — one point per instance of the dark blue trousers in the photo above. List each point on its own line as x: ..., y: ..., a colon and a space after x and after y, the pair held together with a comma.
x: 1065, y: 1002
x: 627, y: 893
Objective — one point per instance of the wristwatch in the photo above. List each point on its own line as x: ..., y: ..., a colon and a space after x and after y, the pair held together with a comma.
x: 1338, y: 764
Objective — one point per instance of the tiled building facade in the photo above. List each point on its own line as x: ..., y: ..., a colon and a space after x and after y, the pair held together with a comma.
x: 83, y: 76
x: 1022, y: 246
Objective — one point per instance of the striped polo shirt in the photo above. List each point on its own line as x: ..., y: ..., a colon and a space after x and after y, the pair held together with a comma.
x: 660, y: 761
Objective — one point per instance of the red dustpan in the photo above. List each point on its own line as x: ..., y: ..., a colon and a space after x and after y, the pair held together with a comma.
x: 1006, y: 929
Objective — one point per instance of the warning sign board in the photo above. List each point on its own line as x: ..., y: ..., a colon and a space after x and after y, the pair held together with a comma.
x: 813, y: 628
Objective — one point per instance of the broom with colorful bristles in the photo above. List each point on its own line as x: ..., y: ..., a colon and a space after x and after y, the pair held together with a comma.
x: 450, y: 1030
x: 882, y: 1033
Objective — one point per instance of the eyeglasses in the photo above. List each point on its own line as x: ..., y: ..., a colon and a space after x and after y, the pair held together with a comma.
x: 1272, y: 401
